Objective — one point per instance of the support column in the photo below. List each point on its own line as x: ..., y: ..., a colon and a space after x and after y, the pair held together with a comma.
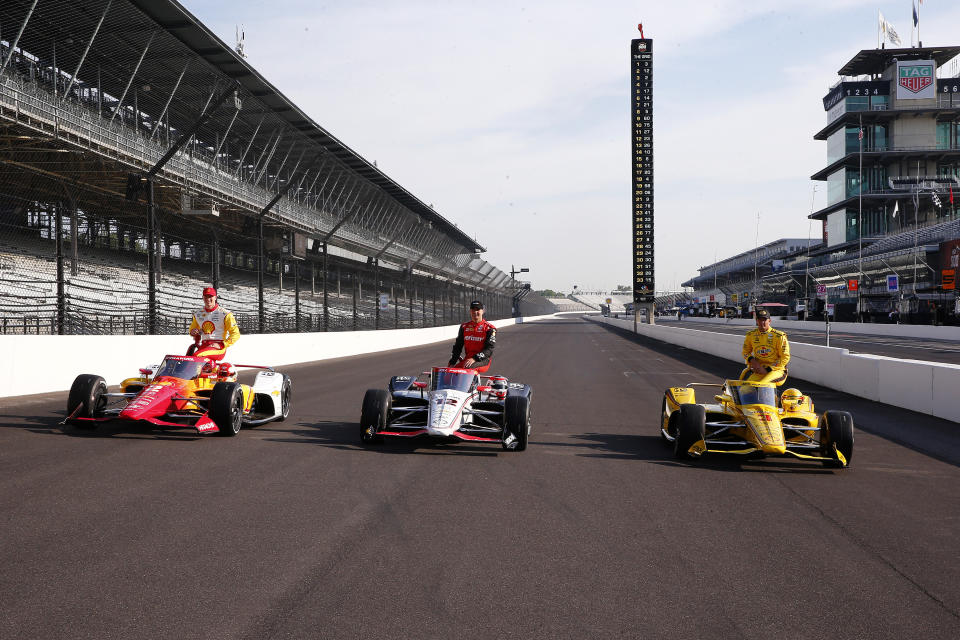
x: 296, y: 293
x: 353, y: 282
x: 261, y: 312
x: 61, y: 302
x: 326, y: 302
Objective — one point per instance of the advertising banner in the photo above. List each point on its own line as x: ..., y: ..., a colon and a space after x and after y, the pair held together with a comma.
x: 916, y: 80
x: 893, y: 283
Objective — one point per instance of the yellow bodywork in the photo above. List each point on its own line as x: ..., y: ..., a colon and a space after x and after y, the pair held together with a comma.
x: 760, y: 426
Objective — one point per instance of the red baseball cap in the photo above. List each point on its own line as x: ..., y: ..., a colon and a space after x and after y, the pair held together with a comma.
x: 209, y: 291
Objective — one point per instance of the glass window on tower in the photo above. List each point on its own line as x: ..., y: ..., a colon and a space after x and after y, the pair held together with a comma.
x: 853, y: 139
x: 947, y: 135
x: 858, y: 103
x: 879, y: 103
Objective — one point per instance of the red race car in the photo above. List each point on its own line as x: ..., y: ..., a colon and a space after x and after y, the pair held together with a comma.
x: 187, y: 392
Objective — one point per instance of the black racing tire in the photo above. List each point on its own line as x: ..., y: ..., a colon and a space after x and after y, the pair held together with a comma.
x: 87, y: 399
x: 286, y: 398
x: 374, y: 415
x: 226, y: 408
x: 691, y: 427
x: 836, y: 428
x: 516, y: 420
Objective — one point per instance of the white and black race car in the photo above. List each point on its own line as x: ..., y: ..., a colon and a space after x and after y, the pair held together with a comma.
x: 451, y: 404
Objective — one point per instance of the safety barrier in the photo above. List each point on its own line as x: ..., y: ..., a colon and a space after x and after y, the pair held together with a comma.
x: 917, y: 385
x: 41, y: 364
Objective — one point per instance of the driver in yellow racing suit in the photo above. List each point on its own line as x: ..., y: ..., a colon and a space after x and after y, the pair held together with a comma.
x: 213, y: 328
x: 766, y: 352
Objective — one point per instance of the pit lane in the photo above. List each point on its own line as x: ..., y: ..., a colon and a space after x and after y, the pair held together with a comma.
x: 293, y: 530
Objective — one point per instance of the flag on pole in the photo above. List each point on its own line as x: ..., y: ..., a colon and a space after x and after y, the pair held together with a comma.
x: 896, y: 208
x: 916, y: 18
x: 936, y: 200
x: 860, y: 134
x: 951, y: 194
x: 889, y: 33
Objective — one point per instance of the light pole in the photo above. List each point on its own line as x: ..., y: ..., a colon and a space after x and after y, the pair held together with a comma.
x: 515, y: 303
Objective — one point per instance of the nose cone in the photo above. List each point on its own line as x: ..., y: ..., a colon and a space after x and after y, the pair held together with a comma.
x: 152, y: 402
x: 446, y: 409
x: 765, y: 424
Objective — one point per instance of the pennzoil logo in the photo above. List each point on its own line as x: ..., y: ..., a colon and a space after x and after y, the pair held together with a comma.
x: 916, y: 78
x: 763, y: 352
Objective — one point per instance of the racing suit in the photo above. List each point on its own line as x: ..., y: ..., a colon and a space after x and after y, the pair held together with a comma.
x: 476, y: 340
x: 218, y: 330
x: 772, y: 350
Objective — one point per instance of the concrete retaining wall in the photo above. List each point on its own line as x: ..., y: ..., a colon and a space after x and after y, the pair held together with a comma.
x: 40, y: 364
x: 926, y: 387
x: 905, y: 330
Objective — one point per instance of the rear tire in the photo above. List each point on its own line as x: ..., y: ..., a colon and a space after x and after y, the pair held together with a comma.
x: 516, y: 420
x: 286, y: 397
x: 87, y: 399
x: 226, y: 408
x: 836, y: 428
x: 691, y: 427
x: 374, y: 415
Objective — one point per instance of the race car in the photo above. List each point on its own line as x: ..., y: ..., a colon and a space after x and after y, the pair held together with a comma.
x: 184, y: 391
x: 451, y: 404
x: 747, y: 418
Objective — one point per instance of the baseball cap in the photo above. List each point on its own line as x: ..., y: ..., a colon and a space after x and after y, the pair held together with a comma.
x: 476, y: 304
x: 209, y: 291
x: 763, y: 313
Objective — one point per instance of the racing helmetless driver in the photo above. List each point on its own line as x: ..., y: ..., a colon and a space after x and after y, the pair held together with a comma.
x: 476, y: 340
x: 766, y: 352
x: 213, y: 328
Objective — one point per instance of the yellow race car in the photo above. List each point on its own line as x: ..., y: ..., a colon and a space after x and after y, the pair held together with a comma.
x: 747, y: 418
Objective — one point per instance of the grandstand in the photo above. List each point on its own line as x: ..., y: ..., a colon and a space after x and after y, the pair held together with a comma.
x: 593, y: 300
x: 109, y: 105
x: 568, y: 304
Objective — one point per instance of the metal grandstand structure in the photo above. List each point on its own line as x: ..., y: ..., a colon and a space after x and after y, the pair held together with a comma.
x: 100, y: 100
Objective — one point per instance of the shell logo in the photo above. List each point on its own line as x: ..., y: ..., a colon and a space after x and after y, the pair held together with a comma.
x: 207, y: 327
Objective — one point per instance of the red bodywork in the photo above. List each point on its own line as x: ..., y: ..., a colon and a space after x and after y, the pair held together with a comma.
x: 165, y: 395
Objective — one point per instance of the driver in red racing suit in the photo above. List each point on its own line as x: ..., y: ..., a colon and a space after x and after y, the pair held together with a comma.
x: 476, y: 340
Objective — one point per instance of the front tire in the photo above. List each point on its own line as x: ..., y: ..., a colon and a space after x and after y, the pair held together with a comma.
x: 87, y: 399
x: 516, y: 419
x: 226, y: 408
x: 836, y: 429
x: 691, y: 427
x: 374, y: 415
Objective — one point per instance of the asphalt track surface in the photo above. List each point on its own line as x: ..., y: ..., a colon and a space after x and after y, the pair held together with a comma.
x: 947, y: 351
x: 293, y: 530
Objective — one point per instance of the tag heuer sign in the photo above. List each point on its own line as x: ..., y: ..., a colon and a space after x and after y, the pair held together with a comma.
x: 915, y: 79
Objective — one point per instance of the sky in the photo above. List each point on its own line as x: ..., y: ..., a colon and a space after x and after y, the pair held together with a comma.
x: 513, y: 119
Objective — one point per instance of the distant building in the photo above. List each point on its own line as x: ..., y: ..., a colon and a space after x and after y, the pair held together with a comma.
x: 892, y: 190
x: 890, y: 231
x: 737, y: 282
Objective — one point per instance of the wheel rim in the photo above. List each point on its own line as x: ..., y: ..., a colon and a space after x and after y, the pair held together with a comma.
x: 285, y: 402
x: 236, y: 413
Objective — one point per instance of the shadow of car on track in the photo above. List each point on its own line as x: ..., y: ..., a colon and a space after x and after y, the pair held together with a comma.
x: 53, y: 425
x: 612, y: 445
x: 652, y: 449
x: 346, y: 436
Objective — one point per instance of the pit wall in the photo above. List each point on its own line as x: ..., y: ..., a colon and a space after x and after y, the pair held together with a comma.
x: 925, y: 387
x: 905, y: 330
x: 42, y: 364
